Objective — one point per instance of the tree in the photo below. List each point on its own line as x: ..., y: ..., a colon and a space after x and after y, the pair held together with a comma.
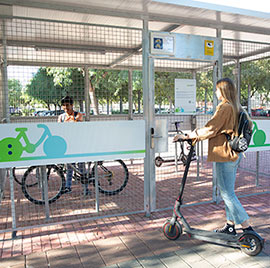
x: 108, y: 86
x: 70, y: 81
x: 255, y: 75
x: 42, y: 88
x: 164, y: 86
x: 137, y: 89
x: 14, y: 92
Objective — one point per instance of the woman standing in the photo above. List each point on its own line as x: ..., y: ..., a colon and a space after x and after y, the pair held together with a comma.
x: 224, y: 121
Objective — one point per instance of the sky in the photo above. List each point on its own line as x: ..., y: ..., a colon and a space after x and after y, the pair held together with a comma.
x: 258, y: 8
x: 22, y: 73
x: 256, y: 5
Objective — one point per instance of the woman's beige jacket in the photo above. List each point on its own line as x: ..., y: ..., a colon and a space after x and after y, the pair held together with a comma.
x: 222, y: 122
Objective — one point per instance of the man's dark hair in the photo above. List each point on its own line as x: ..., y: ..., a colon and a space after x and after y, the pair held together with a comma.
x: 67, y: 99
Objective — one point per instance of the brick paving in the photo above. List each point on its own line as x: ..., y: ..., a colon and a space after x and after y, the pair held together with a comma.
x: 135, y: 241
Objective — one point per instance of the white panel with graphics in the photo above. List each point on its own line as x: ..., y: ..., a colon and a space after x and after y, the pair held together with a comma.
x: 49, y: 143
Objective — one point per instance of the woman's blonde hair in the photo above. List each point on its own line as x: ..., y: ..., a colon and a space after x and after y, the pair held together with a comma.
x: 229, y: 93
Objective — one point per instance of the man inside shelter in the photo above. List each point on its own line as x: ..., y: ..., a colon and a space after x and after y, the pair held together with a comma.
x: 70, y: 115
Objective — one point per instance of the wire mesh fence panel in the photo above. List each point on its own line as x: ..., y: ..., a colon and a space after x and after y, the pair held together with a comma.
x: 49, y: 60
x: 46, y: 62
x: 251, y: 67
x: 254, y: 169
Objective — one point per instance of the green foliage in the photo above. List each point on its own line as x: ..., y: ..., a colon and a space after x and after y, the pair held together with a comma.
x: 14, y: 92
x: 70, y: 81
x: 43, y: 89
x: 109, y: 84
x: 49, y: 85
x: 255, y: 74
x: 204, y: 86
x: 164, y: 86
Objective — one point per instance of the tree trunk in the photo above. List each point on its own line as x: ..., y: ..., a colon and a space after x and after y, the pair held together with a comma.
x: 121, y: 105
x: 81, y: 106
x: 93, y: 99
x: 108, y: 106
x: 139, y: 102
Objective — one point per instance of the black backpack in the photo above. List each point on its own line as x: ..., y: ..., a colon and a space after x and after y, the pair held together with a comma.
x: 241, y: 142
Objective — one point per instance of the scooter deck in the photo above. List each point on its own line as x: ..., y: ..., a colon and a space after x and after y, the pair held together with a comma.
x: 216, y: 238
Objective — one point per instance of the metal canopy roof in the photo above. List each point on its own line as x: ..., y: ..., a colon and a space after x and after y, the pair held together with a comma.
x: 127, y: 15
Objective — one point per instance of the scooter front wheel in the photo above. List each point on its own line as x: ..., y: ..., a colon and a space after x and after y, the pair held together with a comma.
x: 171, y: 231
x: 251, y: 244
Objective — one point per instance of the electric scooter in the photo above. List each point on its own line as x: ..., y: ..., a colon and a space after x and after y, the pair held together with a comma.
x: 249, y: 242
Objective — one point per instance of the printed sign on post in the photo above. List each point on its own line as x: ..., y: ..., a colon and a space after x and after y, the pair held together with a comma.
x: 185, y: 95
x: 209, y: 47
x: 163, y: 44
x: 54, y: 143
x: 261, y: 136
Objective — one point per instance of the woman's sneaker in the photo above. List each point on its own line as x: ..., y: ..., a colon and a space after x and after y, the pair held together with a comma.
x: 227, y: 229
x: 248, y: 229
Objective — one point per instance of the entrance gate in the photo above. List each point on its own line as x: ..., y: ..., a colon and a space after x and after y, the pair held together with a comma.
x: 180, y: 56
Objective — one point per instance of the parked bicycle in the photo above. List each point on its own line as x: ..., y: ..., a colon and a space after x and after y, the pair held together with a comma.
x: 112, y: 179
x: 182, y: 156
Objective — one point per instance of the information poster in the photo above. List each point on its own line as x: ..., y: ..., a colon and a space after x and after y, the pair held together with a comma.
x: 185, y: 96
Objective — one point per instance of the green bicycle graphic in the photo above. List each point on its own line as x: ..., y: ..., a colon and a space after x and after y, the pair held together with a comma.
x: 11, y: 149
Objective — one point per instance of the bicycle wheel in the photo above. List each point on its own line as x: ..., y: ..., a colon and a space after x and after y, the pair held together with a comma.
x: 32, y: 186
x: 18, y: 176
x: 112, y: 176
x: 15, y: 176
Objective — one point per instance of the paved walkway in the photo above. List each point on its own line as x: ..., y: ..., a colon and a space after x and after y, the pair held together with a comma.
x: 137, y: 241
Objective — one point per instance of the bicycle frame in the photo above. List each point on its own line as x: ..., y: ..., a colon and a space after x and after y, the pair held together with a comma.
x: 88, y: 174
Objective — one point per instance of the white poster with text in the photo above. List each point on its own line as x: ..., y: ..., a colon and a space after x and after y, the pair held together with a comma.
x: 185, y: 96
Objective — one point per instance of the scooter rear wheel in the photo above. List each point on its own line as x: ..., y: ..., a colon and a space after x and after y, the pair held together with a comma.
x: 251, y: 244
x: 172, y: 232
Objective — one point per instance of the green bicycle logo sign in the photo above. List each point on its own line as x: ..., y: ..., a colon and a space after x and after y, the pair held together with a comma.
x: 259, y: 137
x: 11, y: 149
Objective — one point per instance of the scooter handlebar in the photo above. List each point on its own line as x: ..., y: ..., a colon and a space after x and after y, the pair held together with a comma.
x: 182, y: 139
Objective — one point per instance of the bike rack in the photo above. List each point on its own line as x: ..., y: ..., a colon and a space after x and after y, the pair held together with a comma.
x: 96, y: 187
x: 13, y: 211
x: 44, y: 186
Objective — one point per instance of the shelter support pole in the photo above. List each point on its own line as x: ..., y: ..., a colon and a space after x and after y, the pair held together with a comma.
x: 193, y: 126
x: 44, y: 187
x: 2, y: 183
x: 148, y: 112
x: 12, y: 199
x: 257, y: 167
x: 217, y: 74
x: 86, y: 94
x: 249, y: 100
x: 130, y: 96
x: 96, y: 187
x: 238, y: 77
x: 4, y: 110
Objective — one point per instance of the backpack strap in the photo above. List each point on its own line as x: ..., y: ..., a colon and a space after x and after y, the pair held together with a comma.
x: 75, y: 115
x: 62, y: 117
